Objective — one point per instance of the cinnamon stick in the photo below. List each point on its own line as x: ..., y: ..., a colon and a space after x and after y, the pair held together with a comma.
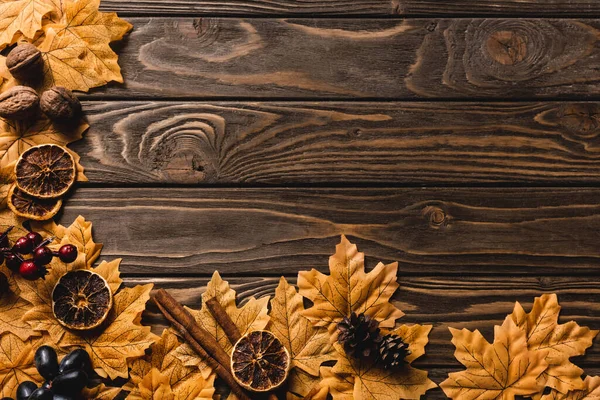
x: 198, y: 338
x: 218, y: 312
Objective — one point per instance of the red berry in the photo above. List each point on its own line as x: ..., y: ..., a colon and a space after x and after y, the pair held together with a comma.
x: 31, y: 271
x: 23, y: 245
x: 35, y: 238
x: 13, y: 262
x: 67, y: 253
x: 42, y: 255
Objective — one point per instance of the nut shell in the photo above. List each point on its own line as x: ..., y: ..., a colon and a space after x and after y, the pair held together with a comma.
x: 25, y: 62
x: 19, y: 102
x: 60, y: 103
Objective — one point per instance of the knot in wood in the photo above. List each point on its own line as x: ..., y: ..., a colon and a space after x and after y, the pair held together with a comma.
x: 436, y: 216
x: 582, y: 119
x: 507, y: 47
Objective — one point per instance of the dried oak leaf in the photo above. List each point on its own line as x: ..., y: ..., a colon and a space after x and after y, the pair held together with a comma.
x: 18, y: 136
x: 16, y: 362
x: 500, y: 370
x: 349, y: 289
x: 76, y: 48
x: 162, y: 365
x: 558, y: 341
x: 122, y: 338
x: 21, y: 16
x: 590, y: 391
x: 249, y: 317
x: 371, y: 381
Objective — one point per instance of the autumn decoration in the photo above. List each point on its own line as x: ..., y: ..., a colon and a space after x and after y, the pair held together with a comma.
x: 528, y: 357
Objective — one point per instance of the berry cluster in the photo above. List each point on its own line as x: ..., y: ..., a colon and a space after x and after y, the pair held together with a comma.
x: 32, y: 244
x: 64, y: 381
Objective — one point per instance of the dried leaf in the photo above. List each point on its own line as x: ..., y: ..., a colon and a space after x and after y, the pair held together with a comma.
x: 309, y: 347
x: 123, y: 336
x: 8, y: 219
x: 559, y: 342
x: 18, y: 136
x: 76, y: 48
x: 590, y: 391
x: 7, y: 179
x: 350, y: 289
x: 251, y: 316
x: 154, y: 386
x: 341, y: 387
x: 500, y: 370
x: 101, y: 392
x: 12, y: 309
x: 110, y: 272
x: 79, y: 234
x: 24, y: 16
x: 16, y: 362
x: 185, y: 383
x: 301, y: 385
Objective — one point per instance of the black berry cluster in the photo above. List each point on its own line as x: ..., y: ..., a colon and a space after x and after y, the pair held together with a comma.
x: 35, y: 246
x: 64, y: 381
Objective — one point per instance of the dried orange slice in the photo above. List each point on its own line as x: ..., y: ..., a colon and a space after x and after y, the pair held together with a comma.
x: 260, y: 362
x: 30, y: 207
x: 46, y: 171
x: 81, y: 300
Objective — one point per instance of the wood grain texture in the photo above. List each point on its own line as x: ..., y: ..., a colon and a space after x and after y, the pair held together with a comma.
x: 459, y: 302
x: 343, y: 143
x: 360, y: 58
x: 556, y: 8
x: 168, y: 231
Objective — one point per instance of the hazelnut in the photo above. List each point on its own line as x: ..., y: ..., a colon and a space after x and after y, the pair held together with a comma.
x: 60, y: 103
x: 25, y: 63
x: 19, y: 102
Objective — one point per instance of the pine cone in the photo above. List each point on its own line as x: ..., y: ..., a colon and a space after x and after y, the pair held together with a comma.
x: 360, y: 335
x: 393, y: 351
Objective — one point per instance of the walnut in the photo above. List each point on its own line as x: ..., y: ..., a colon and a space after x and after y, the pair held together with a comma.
x: 25, y: 63
x: 60, y: 103
x: 19, y: 102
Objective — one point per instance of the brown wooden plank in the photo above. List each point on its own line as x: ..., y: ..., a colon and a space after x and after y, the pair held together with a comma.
x: 273, y: 231
x: 359, y: 58
x: 459, y: 302
x: 307, y: 143
x: 357, y: 7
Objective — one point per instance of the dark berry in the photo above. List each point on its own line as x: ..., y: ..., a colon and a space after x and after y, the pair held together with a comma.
x: 42, y: 255
x: 25, y: 389
x: 31, y: 271
x: 23, y: 245
x: 70, y: 382
x: 76, y: 360
x: 67, y: 253
x: 62, y: 397
x: 41, y: 394
x: 4, y: 287
x: 47, y: 385
x: 13, y: 262
x: 1, y: 257
x: 46, y: 362
x: 35, y: 238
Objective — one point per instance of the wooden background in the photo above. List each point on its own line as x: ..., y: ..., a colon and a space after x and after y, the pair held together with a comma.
x: 459, y: 137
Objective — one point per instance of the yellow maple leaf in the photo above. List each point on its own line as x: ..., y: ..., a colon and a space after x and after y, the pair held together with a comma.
x: 12, y: 309
x: 590, y: 391
x: 122, y: 338
x: 500, y: 370
x: 8, y: 219
x: 340, y: 387
x: 18, y: 136
x: 185, y: 383
x: 24, y: 16
x: 249, y: 317
x: 16, y: 362
x: 76, y: 48
x: 559, y: 341
x: 349, y: 289
x: 308, y: 346
x: 79, y: 234
x: 7, y: 179
x: 154, y: 386
x: 101, y: 392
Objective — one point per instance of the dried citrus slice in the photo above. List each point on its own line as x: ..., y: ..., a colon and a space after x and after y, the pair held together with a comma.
x: 30, y: 207
x: 81, y: 300
x: 45, y: 171
x: 260, y: 362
